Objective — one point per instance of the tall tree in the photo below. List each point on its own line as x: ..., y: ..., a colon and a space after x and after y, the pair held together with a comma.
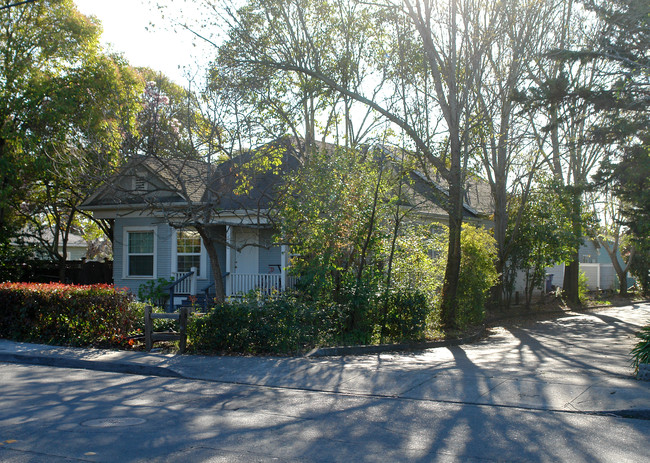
x: 428, y: 55
x: 624, y: 43
x: 561, y: 120
x: 64, y: 108
x: 38, y: 41
x: 509, y: 159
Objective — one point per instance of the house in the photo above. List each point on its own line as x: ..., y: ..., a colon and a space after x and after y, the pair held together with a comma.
x: 159, y: 206
x: 594, y: 262
x: 597, y: 266
x: 39, y: 240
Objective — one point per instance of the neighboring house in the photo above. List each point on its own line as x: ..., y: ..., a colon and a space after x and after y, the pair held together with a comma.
x: 75, y: 250
x: 597, y: 266
x: 595, y: 263
x: 154, y: 203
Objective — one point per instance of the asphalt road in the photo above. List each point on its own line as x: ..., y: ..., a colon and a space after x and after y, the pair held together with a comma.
x: 535, y: 392
x: 54, y: 415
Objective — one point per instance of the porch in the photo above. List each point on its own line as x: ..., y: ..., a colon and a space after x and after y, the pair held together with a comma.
x: 252, y: 263
x: 237, y: 284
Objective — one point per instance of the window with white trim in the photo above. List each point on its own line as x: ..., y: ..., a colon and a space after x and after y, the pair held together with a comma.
x: 140, y: 253
x: 188, y: 251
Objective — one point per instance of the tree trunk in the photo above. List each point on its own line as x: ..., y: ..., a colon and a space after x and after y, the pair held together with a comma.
x: 621, y: 272
x: 572, y: 268
x: 571, y: 274
x: 449, y: 304
x: 210, y: 247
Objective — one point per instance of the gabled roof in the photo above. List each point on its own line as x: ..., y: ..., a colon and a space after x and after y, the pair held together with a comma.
x: 252, y: 181
x: 431, y: 193
x: 147, y: 179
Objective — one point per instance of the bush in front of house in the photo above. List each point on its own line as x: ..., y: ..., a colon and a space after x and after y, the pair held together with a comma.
x: 477, y: 274
x: 281, y: 325
x: 54, y: 313
x: 287, y: 325
x: 406, y: 316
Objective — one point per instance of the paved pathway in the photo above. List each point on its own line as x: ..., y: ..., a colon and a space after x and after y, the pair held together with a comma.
x: 578, y: 363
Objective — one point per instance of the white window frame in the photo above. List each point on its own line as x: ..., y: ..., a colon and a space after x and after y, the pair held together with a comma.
x: 125, y: 253
x: 203, y: 270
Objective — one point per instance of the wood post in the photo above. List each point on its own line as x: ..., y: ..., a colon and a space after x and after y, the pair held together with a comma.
x: 150, y: 336
x: 182, y: 321
x: 148, y: 328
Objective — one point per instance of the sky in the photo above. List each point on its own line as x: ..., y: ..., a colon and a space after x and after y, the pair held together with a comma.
x: 127, y: 29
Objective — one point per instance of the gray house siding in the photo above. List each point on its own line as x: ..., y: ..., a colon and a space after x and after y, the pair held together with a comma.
x: 162, y: 258
x: 163, y: 253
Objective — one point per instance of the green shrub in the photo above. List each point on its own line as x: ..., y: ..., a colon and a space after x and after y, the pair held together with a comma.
x: 406, y: 316
x: 278, y: 325
x: 94, y: 315
x: 641, y: 351
x: 155, y: 292
x: 477, y: 274
x: 583, y: 281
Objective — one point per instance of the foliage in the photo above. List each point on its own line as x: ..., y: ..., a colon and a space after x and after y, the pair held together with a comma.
x: 640, y: 266
x: 477, y: 274
x: 14, y: 261
x: 583, y: 281
x: 168, y: 123
x: 281, y: 326
x: 64, y: 108
x: 95, y: 315
x: 336, y: 212
x: 289, y: 325
x: 368, y: 314
x: 155, y: 292
x: 419, y: 265
x: 544, y: 237
x: 406, y: 316
x: 413, y: 66
x: 641, y: 351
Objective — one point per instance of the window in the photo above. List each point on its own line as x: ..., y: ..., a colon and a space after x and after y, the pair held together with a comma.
x: 140, y: 246
x: 188, y: 251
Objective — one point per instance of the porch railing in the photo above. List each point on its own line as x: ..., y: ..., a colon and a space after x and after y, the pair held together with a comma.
x: 238, y: 284
x: 184, y: 283
x: 242, y: 283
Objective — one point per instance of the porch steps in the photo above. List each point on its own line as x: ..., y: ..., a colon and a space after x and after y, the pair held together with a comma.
x: 200, y: 303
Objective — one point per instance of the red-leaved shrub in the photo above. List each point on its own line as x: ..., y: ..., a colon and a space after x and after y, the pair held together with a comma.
x: 93, y: 315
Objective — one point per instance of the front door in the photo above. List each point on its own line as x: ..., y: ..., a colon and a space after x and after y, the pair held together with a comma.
x: 246, y: 257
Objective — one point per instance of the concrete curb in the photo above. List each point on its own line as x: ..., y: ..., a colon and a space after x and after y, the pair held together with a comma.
x: 383, y: 348
x: 95, y: 365
x: 37, y: 358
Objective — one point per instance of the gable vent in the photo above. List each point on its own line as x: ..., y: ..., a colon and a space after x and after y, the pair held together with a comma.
x: 140, y: 184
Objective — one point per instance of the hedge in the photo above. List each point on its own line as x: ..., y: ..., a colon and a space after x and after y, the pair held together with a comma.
x: 54, y: 313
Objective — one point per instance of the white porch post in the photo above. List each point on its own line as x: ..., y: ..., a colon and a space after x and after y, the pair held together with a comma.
x: 228, y: 289
x: 283, y: 266
x: 193, y: 279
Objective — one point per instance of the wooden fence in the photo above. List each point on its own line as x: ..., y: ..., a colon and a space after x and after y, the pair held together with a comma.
x: 181, y: 335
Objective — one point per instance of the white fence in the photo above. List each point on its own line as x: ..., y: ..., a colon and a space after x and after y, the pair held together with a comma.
x: 599, y: 276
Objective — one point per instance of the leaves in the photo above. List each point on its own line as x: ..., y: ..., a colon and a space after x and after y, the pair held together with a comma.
x: 92, y: 315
